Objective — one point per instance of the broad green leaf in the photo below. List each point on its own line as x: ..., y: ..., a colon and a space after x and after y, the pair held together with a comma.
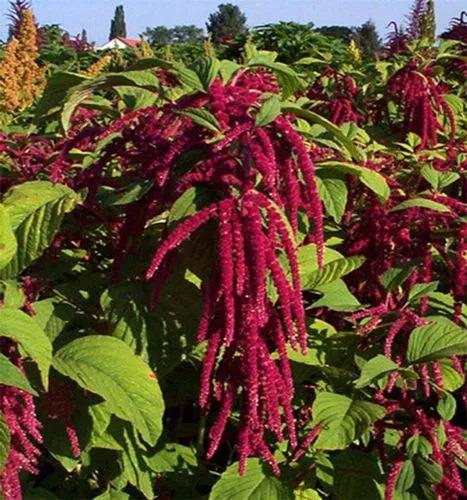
x: 421, y: 289
x: 446, y: 407
x: 428, y: 470
x: 228, y: 69
x: 342, y: 419
x: 107, y: 366
x: 203, y: 118
x: 374, y: 369
x: 406, y: 477
x: 135, y: 470
x: 308, y: 494
x: 258, y: 483
x: 191, y: 201
x: 333, y: 192
x: 11, y: 375
x: 20, y: 327
x: 57, y: 87
x: 313, y: 117
x: 421, y: 203
x: 4, y: 441
x: 8, y: 244
x: 13, y: 295
x: 396, y: 276
x: 372, y: 179
x: 207, y: 68
x: 36, y: 210
x: 337, y: 297
x: 136, y: 97
x: 431, y: 175
x: 418, y: 445
x: 129, y: 194
x: 79, y: 93
x: 125, y: 310
x: 356, y: 476
x: 268, y: 112
x: 173, y: 457
x: 332, y: 271
x: 436, y: 341
x: 452, y: 379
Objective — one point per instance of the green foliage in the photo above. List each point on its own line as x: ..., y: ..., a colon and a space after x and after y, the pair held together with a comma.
x: 367, y: 39
x: 162, y: 36
x: 118, y: 25
x: 226, y: 23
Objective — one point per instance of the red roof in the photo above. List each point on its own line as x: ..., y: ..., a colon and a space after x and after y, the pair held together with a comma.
x: 128, y: 41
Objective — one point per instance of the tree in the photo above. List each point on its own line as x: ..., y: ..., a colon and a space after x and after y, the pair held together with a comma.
x: 367, y: 38
x: 226, y: 23
x: 84, y: 36
x: 342, y: 32
x: 161, y: 35
x: 118, y: 25
x: 187, y: 34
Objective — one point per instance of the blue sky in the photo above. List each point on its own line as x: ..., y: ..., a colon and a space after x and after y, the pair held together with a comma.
x: 95, y: 15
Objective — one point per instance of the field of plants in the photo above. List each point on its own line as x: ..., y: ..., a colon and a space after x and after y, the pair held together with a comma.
x: 235, y: 270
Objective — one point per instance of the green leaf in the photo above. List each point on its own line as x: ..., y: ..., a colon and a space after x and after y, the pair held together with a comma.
x: 129, y: 194
x: 357, y: 476
x: 374, y: 369
x: 207, y: 68
x: 396, y: 276
x: 436, y: 341
x: 268, y: 112
x: 107, y: 366
x: 20, y: 327
x: 333, y: 192
x: 446, y: 407
x: 342, y: 419
x: 135, y: 469
x: 228, y: 69
x: 336, y: 296
x: 125, y: 310
x: 258, y: 483
x: 422, y: 203
x: 332, y: 271
x: 418, y: 445
x: 11, y: 375
x: 13, y: 295
x: 372, y: 179
x: 4, y: 441
x: 329, y: 126
x: 79, y: 93
x: 36, y: 210
x: 173, y: 457
x: 406, y: 477
x: 202, y: 117
x: 57, y: 87
x: 8, y: 244
x: 428, y: 470
x: 191, y: 201
x: 421, y: 289
x: 452, y: 379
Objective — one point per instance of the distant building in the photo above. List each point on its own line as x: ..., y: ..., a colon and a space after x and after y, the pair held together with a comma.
x: 119, y: 43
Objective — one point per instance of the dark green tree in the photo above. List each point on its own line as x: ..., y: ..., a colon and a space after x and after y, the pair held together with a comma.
x: 226, y: 23
x: 341, y: 32
x: 367, y: 38
x: 84, y: 36
x: 161, y: 35
x: 118, y: 25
